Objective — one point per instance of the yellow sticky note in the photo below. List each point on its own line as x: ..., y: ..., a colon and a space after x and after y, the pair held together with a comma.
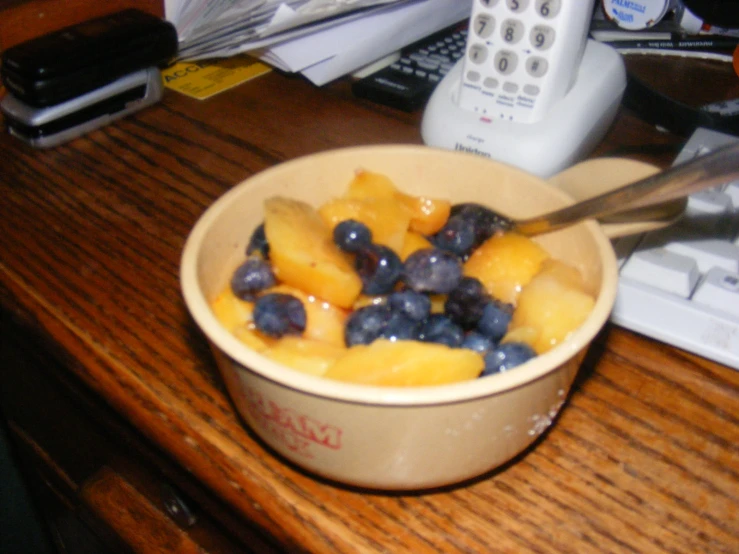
x: 202, y: 79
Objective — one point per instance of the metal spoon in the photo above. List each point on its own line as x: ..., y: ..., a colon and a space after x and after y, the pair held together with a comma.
x: 679, y: 181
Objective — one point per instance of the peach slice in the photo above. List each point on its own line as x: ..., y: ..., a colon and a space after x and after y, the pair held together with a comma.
x: 505, y: 263
x: 251, y: 337
x: 235, y: 315
x: 428, y: 215
x: 386, y: 217
x: 231, y: 310
x: 303, y: 253
x: 550, y: 307
x: 413, y: 241
x: 405, y: 364
x: 305, y: 355
x: 324, y: 321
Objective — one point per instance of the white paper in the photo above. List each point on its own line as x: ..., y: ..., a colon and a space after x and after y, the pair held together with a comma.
x: 323, y: 39
x: 323, y: 57
x: 250, y: 19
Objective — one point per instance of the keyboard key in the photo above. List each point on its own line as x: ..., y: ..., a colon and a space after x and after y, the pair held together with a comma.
x: 709, y: 253
x: 663, y: 270
x: 710, y: 202
x: 719, y: 290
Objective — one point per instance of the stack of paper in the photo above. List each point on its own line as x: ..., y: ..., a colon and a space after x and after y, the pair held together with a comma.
x: 322, y: 39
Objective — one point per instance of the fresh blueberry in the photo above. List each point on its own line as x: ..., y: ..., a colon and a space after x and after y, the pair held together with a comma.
x: 496, y: 316
x: 465, y: 303
x: 477, y: 342
x: 457, y: 236
x: 414, y: 305
x: 401, y: 327
x: 351, y: 235
x: 366, y: 324
x: 254, y: 275
x: 507, y: 356
x: 440, y: 329
x: 258, y: 243
x: 278, y: 314
x: 379, y: 267
x: 484, y: 221
x: 432, y: 270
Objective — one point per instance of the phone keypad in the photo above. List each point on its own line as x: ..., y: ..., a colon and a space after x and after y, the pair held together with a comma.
x: 513, y: 46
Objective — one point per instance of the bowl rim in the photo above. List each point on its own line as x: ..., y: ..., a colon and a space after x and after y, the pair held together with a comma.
x: 252, y: 361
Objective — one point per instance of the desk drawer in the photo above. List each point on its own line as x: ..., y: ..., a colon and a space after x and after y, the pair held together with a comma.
x: 81, y: 459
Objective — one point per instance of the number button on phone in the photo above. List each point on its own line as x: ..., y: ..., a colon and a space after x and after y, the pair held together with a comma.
x: 536, y: 66
x: 506, y: 62
x: 484, y: 25
x: 478, y: 53
x: 542, y: 37
x: 512, y: 31
x: 488, y: 3
x: 517, y: 6
x: 548, y: 9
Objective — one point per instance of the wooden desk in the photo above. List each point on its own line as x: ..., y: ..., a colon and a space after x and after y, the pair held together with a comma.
x: 116, y: 407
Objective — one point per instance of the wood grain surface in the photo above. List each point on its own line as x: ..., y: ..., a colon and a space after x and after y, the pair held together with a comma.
x: 644, y: 458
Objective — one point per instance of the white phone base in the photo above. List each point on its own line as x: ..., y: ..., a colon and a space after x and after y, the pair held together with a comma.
x: 570, y: 131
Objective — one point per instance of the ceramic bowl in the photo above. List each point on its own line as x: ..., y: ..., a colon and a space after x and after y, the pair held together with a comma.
x: 394, y: 438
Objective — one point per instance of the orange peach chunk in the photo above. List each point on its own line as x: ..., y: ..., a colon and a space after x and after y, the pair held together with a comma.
x: 406, y: 364
x: 413, y: 241
x: 303, y: 253
x: 324, y: 322
x: 230, y: 310
x: 386, y: 218
x: 236, y: 316
x: 305, y: 355
x: 505, y: 263
x: 550, y: 307
x: 428, y: 215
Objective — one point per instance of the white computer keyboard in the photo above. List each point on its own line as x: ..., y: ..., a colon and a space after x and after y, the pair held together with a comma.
x: 680, y: 285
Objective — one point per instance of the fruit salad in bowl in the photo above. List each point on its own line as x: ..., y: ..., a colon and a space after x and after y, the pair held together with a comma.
x: 379, y: 273
x: 375, y: 321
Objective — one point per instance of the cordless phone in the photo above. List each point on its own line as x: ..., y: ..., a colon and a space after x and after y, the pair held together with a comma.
x: 522, y: 56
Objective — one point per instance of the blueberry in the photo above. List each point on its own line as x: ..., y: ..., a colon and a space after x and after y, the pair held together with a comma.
x: 412, y: 304
x: 440, y: 329
x: 252, y: 276
x: 457, y: 236
x: 278, y: 314
x: 465, y: 303
x: 477, y: 342
x: 351, y: 235
x: 379, y: 267
x: 507, y: 356
x: 366, y: 324
x: 432, y: 270
x: 496, y: 316
x: 485, y: 221
x: 258, y: 243
x: 401, y: 327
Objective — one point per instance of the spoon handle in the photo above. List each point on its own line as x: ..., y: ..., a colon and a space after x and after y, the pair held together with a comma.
x: 682, y: 180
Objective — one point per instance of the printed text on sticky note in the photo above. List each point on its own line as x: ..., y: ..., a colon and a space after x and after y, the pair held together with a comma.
x: 202, y: 79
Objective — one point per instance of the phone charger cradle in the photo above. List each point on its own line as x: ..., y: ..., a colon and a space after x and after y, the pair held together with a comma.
x: 571, y: 129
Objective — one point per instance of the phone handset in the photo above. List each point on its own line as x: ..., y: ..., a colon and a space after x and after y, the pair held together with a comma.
x: 522, y: 56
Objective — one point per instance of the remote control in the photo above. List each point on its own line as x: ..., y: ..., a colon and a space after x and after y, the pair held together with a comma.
x: 522, y: 56
x: 407, y: 83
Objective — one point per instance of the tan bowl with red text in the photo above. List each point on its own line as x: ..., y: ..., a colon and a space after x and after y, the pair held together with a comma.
x: 395, y: 438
